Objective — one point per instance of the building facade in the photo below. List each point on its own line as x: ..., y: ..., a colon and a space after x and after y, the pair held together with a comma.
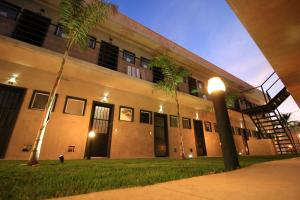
x: 107, y: 89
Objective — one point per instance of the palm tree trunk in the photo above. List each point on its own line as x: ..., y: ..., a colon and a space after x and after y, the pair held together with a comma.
x: 179, y: 128
x: 35, y: 153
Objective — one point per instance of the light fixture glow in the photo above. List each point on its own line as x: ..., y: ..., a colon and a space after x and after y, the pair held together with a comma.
x: 160, y: 109
x: 92, y: 134
x: 197, y: 116
x: 299, y: 135
x: 190, y: 155
x: 215, y: 84
x: 105, y: 97
x: 240, y: 153
x: 290, y: 146
x: 13, y: 79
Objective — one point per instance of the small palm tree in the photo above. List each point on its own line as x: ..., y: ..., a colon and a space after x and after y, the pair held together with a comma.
x: 173, y: 76
x: 285, y: 117
x: 77, y: 17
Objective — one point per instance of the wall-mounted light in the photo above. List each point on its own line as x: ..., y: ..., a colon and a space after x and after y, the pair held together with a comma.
x: 290, y: 146
x: 240, y: 153
x: 13, y: 79
x: 299, y: 135
x: 105, y: 97
x: 150, y: 132
x: 92, y: 134
x: 241, y: 123
x: 160, y: 109
x: 197, y: 116
x: 190, y: 156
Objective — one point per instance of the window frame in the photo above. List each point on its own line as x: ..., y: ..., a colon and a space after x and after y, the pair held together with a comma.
x: 150, y: 116
x: 132, y: 117
x: 78, y: 99
x: 12, y: 7
x: 128, y: 53
x: 189, y: 120
x: 41, y: 92
x: 142, y: 59
x: 209, y: 126
x: 92, y: 38
x: 176, y: 121
x: 215, y: 127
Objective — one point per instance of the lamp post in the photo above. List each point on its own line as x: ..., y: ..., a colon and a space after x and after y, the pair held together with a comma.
x: 216, y: 89
x: 91, y: 135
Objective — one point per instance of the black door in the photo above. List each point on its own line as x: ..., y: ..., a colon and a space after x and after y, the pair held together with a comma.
x: 101, y: 123
x: 108, y: 56
x: 199, y: 138
x: 31, y: 28
x: 161, y: 146
x: 11, y: 99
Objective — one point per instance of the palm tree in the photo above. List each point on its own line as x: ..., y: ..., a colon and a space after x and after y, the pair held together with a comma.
x: 173, y: 76
x: 285, y: 117
x: 77, y: 18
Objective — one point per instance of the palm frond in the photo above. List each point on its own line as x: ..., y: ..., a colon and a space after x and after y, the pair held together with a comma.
x: 78, y: 17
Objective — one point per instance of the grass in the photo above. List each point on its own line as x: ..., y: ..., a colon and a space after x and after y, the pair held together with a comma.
x: 52, y: 179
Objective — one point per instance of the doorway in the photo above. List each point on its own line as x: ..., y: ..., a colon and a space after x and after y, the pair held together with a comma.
x: 101, y: 123
x: 161, y: 145
x: 199, y: 138
x: 31, y: 28
x: 11, y: 99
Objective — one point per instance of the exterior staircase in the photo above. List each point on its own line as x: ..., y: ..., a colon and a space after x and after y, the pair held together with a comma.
x: 268, y: 119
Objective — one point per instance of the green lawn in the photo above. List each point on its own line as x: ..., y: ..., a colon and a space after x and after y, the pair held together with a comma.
x: 52, y: 179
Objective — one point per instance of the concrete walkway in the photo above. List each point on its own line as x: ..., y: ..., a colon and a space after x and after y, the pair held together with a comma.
x: 270, y: 180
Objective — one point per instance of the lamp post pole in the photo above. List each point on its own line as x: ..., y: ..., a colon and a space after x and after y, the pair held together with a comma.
x: 216, y: 89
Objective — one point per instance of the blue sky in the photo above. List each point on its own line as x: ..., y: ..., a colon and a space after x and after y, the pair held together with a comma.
x: 210, y: 29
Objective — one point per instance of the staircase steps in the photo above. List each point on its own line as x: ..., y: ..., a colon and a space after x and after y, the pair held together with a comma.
x: 269, y: 122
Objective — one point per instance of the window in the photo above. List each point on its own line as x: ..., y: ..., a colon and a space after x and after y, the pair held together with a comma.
x: 173, y: 121
x: 193, y: 88
x: 92, y: 42
x: 74, y: 106
x: 133, y: 71
x: 39, y: 100
x: 146, y: 116
x: 207, y: 126
x: 145, y: 62
x: 186, y: 122
x: 59, y: 31
x: 215, y: 127
x: 9, y: 10
x: 126, y: 114
x: 232, y: 130
x: 128, y: 56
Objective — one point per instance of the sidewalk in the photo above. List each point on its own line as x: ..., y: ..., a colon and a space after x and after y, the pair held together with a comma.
x: 270, y: 180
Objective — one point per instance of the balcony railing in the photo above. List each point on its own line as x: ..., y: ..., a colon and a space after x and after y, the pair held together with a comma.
x: 38, y: 30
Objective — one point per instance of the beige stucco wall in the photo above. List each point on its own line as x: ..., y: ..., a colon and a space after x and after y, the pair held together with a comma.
x: 129, y: 139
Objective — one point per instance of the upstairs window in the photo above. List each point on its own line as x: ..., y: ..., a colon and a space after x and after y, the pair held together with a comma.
x: 145, y: 62
x: 186, y: 123
x: 193, y: 88
x: 129, y: 56
x: 9, y: 10
x: 173, y: 121
x: 59, y: 31
x: 92, y: 42
x: 145, y: 116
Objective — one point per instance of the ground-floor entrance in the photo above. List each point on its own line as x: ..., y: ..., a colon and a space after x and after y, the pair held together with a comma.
x: 11, y: 99
x: 199, y: 138
x: 161, y: 144
x: 101, y: 123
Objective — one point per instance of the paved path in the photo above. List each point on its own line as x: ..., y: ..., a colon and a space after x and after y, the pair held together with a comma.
x: 270, y: 180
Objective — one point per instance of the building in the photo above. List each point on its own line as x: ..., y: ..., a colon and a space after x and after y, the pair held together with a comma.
x: 275, y: 27
x: 107, y: 89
